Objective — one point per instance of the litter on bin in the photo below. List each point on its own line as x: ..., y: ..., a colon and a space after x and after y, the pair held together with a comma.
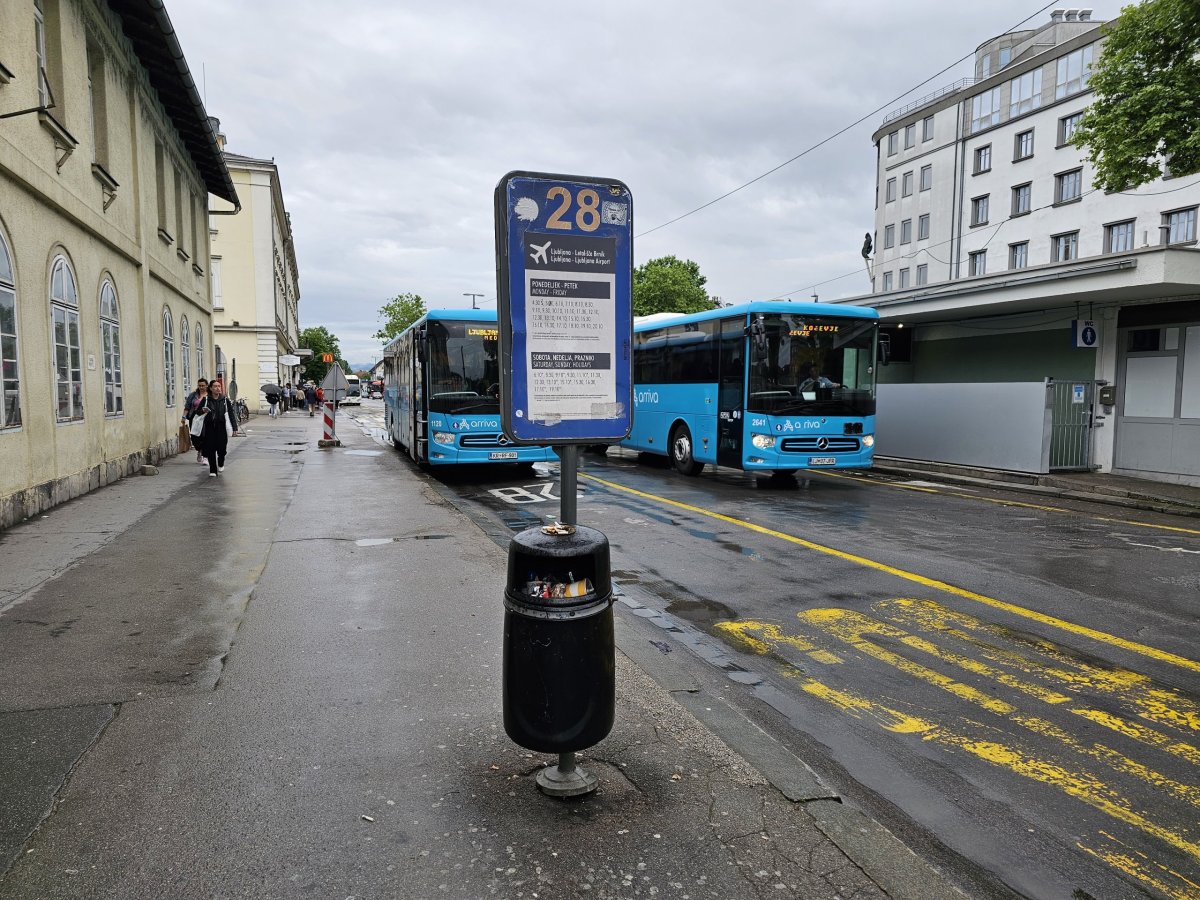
x: 546, y: 587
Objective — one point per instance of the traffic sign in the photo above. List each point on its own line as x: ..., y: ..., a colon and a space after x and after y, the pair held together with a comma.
x: 564, y: 283
x: 335, y: 384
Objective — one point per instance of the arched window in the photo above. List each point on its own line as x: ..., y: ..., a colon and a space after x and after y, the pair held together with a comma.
x: 199, y: 352
x: 110, y: 342
x: 185, y: 353
x: 10, y: 379
x: 168, y: 357
x: 68, y: 355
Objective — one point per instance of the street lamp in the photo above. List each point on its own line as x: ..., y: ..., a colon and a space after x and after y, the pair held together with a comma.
x: 473, y: 296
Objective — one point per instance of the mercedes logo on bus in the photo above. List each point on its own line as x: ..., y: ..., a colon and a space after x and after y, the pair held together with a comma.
x: 822, y: 443
x: 502, y: 440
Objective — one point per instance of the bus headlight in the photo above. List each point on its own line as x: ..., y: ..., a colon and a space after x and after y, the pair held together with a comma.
x: 868, y: 441
x: 445, y: 438
x: 763, y: 441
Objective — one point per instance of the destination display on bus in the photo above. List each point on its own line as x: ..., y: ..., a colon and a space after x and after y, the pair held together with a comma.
x: 564, y: 284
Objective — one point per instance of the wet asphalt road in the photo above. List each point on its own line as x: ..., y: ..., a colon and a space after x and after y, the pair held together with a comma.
x: 1009, y: 684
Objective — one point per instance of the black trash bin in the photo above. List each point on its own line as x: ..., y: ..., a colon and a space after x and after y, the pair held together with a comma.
x: 559, y: 663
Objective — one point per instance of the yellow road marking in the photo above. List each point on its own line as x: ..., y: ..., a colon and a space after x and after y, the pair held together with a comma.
x: 1080, y: 785
x: 1011, y: 608
x: 1149, y: 871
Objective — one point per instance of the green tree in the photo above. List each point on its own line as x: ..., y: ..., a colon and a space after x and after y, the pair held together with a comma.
x: 320, y: 341
x: 398, y: 313
x: 1147, y: 105
x: 669, y: 284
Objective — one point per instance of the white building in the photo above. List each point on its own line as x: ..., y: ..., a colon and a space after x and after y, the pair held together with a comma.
x: 991, y: 243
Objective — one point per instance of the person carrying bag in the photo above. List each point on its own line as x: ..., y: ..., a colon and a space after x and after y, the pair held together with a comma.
x: 218, y: 425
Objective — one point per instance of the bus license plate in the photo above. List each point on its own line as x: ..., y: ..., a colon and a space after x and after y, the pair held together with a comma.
x: 822, y: 460
x: 503, y: 454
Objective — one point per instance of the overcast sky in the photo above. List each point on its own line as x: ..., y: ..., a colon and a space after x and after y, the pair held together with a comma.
x: 391, y: 122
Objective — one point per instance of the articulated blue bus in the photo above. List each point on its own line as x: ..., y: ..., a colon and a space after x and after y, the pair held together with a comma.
x: 442, y: 391
x: 764, y: 386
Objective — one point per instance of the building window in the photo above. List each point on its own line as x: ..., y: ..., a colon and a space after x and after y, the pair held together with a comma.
x: 39, y: 39
x: 1181, y: 226
x: 979, y: 210
x: 185, y: 350
x: 1023, y: 145
x: 1068, y: 186
x: 889, y: 237
x: 110, y: 343
x: 923, y: 274
x: 983, y: 159
x: 1073, y: 72
x: 1022, y: 199
x: 10, y: 378
x: 903, y: 279
x: 168, y: 358
x: 1118, y: 237
x: 1005, y: 56
x: 887, y: 281
x: 1067, y: 126
x: 1064, y: 247
x: 97, y: 103
x: 926, y: 177
x: 985, y: 110
x: 180, y: 242
x: 68, y: 364
x: 985, y: 68
x: 199, y: 352
x: 927, y: 128
x: 923, y: 227
x: 214, y: 266
x: 1018, y: 255
x: 977, y: 263
x: 906, y: 184
x: 893, y: 142
x: 1025, y: 92
x: 160, y: 186
x: 906, y: 231
x: 890, y: 193
x: 910, y: 136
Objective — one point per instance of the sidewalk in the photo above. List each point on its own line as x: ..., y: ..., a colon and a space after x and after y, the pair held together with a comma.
x: 335, y: 730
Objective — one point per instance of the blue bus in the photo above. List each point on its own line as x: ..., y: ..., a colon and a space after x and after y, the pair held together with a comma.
x: 442, y: 391
x: 765, y: 386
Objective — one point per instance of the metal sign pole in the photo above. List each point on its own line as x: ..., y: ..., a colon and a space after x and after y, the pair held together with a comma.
x: 568, y: 456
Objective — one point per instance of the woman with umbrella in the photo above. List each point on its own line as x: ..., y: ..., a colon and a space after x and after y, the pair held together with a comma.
x: 273, y: 392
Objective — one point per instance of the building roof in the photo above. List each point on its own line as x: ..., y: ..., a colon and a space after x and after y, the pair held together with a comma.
x: 148, y: 28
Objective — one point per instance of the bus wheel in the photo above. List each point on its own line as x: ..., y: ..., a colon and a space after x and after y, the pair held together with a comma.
x: 681, y: 451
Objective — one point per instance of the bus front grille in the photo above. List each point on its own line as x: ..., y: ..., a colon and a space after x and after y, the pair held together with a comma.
x: 483, y: 441
x: 811, y: 445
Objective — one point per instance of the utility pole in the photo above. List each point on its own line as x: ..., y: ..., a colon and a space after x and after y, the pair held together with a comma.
x: 473, y: 296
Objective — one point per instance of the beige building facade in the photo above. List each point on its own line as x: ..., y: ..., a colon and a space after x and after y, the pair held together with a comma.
x: 107, y: 159
x: 256, y: 289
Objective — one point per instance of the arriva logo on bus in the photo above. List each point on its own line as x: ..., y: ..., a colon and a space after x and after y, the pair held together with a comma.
x: 646, y: 397
x: 468, y: 424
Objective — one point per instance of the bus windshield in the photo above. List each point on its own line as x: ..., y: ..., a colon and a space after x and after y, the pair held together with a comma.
x: 464, y: 367
x: 807, y: 365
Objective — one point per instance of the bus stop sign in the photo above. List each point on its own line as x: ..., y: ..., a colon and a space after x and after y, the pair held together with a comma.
x: 564, y: 288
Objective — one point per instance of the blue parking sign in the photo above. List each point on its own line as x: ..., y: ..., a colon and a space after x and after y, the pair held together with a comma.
x: 564, y: 288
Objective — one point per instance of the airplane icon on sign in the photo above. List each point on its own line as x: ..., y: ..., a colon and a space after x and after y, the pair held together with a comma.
x: 539, y: 252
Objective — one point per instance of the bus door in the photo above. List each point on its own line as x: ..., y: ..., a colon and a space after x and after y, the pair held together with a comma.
x: 419, y: 449
x: 731, y: 393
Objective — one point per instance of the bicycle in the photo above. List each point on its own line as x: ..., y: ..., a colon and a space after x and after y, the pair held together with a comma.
x: 243, y: 412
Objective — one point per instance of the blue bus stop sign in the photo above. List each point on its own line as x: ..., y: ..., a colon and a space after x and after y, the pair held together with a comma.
x: 564, y: 288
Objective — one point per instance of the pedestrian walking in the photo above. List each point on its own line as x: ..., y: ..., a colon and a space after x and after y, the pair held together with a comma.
x: 310, y: 399
x: 193, y: 401
x: 273, y: 402
x: 219, y: 423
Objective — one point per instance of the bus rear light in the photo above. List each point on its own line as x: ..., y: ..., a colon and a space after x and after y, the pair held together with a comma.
x: 763, y: 441
x: 445, y: 438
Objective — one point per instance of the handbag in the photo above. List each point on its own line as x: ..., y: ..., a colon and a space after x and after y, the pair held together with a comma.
x: 198, y: 423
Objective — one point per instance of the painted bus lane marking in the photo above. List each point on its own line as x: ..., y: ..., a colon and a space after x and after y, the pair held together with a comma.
x: 925, y: 489
x: 1066, y: 769
x: 1113, y: 640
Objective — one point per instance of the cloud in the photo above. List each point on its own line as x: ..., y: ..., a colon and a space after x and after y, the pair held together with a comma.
x: 392, y: 122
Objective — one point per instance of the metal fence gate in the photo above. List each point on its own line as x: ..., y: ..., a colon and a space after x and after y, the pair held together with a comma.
x: 1072, y: 404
